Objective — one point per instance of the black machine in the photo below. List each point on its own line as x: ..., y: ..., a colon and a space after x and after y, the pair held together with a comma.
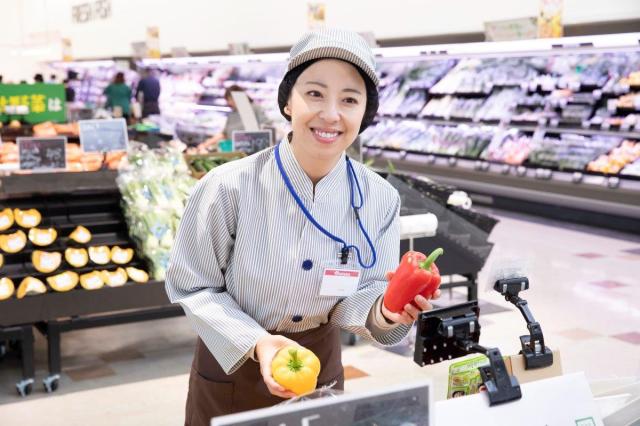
x: 452, y: 332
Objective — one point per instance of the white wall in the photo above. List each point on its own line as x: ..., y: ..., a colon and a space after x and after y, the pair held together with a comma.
x: 202, y: 25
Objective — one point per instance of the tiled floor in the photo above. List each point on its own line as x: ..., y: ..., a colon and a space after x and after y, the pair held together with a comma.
x: 585, y: 292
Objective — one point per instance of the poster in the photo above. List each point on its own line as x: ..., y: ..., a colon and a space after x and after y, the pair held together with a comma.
x: 67, y: 55
x: 153, y: 42
x: 316, y: 13
x: 33, y: 102
x: 550, y: 19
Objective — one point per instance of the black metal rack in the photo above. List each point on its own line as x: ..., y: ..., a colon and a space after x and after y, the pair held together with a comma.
x: 66, y: 200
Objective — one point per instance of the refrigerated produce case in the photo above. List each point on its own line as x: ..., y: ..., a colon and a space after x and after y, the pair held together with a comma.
x: 548, y: 126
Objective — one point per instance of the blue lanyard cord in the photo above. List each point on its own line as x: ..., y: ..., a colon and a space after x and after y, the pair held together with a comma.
x: 352, y: 178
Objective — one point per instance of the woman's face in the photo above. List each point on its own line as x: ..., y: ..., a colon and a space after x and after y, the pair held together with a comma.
x: 326, y: 106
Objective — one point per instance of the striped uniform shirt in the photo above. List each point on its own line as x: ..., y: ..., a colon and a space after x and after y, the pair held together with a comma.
x: 237, y: 262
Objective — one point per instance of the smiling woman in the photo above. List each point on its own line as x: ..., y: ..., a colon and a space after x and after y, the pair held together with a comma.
x: 289, y: 245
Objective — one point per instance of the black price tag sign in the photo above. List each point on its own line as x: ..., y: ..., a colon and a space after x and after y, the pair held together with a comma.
x: 103, y: 135
x: 251, y: 142
x: 41, y: 154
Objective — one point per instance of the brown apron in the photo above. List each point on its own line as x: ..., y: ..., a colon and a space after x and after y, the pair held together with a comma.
x: 213, y: 393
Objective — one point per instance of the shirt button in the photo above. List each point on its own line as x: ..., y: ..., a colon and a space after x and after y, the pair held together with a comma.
x: 307, y: 264
x: 296, y: 318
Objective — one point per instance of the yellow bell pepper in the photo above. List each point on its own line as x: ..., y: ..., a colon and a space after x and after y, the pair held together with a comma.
x: 296, y: 369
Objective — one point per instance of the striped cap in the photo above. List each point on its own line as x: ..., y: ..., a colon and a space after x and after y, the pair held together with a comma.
x: 334, y: 43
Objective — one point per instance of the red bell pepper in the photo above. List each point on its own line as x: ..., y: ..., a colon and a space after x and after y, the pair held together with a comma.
x: 417, y: 274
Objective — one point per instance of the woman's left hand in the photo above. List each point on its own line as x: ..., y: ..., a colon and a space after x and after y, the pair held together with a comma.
x: 410, y: 312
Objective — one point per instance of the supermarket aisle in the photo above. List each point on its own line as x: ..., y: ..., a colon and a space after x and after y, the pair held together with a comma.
x: 585, y: 292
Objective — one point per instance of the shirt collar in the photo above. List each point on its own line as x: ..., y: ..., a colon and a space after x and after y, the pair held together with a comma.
x: 302, y: 183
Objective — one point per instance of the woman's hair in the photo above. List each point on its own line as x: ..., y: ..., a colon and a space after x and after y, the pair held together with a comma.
x: 119, y: 78
x: 286, y: 85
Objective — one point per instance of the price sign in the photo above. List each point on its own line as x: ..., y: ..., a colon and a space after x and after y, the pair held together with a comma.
x: 251, y: 142
x: 40, y: 154
x: 103, y: 135
x: 407, y: 404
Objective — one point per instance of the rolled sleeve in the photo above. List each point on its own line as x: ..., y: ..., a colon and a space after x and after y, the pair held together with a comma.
x: 195, y: 277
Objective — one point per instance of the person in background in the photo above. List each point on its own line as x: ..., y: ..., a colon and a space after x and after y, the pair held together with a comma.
x: 53, y: 79
x: 69, y: 92
x: 148, y: 93
x: 1, y: 78
x: 119, y: 95
x: 234, y: 121
x: 38, y: 78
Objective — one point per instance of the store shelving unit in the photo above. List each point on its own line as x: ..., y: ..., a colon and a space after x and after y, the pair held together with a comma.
x: 66, y: 200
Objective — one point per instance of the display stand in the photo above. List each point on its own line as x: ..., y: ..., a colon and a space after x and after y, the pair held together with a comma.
x: 23, y: 335
x: 66, y: 200
x: 454, y: 331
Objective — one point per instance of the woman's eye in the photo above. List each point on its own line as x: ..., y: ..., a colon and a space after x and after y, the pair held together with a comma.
x: 351, y: 100
x: 314, y: 93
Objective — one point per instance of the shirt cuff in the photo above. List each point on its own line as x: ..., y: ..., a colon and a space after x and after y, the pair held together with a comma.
x: 377, y: 319
x: 252, y: 353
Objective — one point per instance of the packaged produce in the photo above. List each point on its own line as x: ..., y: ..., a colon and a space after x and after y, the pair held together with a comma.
x: 100, y: 255
x: 63, y: 282
x: 46, y: 262
x: 617, y: 159
x: 154, y: 185
x: 30, y: 286
x: 76, y: 257
x: 416, y: 275
x: 570, y: 151
x: 511, y: 147
x: 80, y: 235
x: 6, y: 288
x: 632, y: 169
x: 137, y: 275
x: 42, y: 237
x: 92, y: 280
x: 296, y: 369
x: 6, y: 219
x: 27, y: 218
x: 13, y: 243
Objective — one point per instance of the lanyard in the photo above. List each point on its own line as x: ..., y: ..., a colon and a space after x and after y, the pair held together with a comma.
x: 344, y: 252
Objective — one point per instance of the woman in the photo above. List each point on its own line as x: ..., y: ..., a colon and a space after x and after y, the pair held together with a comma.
x: 234, y: 121
x: 118, y: 95
x: 260, y: 235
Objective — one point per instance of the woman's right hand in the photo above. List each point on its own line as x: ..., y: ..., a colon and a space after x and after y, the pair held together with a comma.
x: 266, y: 349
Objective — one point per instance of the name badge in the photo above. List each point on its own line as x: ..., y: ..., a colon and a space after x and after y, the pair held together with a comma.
x: 339, y: 282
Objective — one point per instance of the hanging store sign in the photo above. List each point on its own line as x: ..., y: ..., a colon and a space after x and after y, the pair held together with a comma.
x: 91, y: 11
x: 40, y: 154
x: 153, y: 42
x: 33, y: 103
x: 316, y: 15
x: 511, y: 29
x: 67, y: 55
x: 550, y: 19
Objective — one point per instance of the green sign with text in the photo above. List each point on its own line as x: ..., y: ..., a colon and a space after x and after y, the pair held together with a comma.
x: 34, y: 103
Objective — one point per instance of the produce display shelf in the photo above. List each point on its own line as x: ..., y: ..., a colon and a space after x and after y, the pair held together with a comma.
x: 597, y: 200
x: 66, y: 200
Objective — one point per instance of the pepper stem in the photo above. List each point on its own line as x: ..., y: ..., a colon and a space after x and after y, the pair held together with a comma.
x: 432, y: 258
x: 294, y: 363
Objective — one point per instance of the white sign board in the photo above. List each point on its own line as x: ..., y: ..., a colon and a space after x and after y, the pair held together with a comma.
x: 564, y: 400
x: 409, y: 403
x: 103, y: 135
